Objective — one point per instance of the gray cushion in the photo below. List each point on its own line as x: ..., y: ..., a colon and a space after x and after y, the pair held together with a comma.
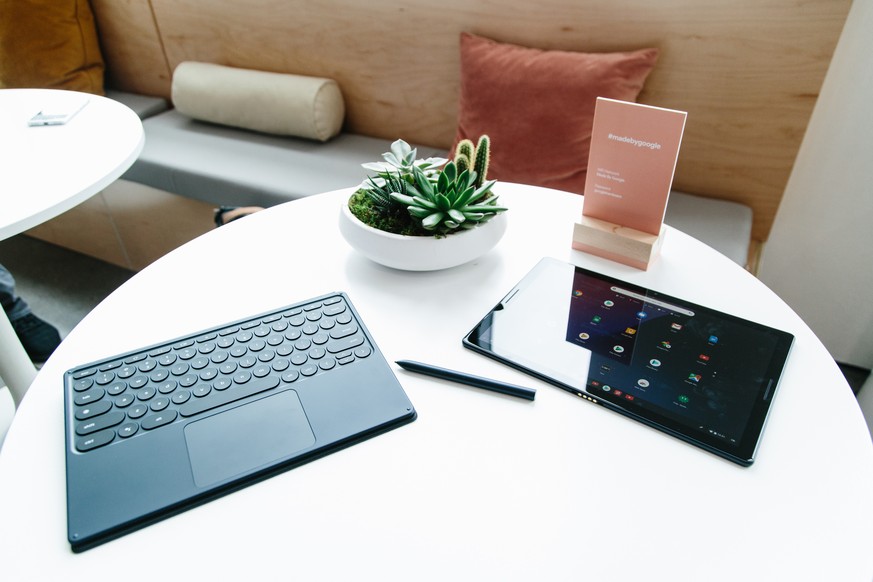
x: 723, y: 225
x: 142, y: 105
x: 224, y: 165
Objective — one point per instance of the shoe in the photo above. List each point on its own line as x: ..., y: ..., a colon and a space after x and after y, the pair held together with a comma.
x: 38, y: 337
x: 227, y: 214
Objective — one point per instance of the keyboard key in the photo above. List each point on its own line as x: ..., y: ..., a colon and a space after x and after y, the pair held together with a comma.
x: 92, y: 395
x: 127, y: 430
x: 116, y: 388
x: 343, y: 331
x: 344, y: 344
x: 124, y: 400
x: 146, y: 393
x: 232, y: 394
x: 95, y: 440
x: 181, y: 397
x: 104, y: 378
x: 137, y: 410
x: 100, y: 423
x: 92, y: 410
x: 81, y: 385
x: 160, y: 419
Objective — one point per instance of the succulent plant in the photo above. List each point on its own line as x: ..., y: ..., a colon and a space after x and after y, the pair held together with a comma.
x: 400, y: 161
x: 452, y: 202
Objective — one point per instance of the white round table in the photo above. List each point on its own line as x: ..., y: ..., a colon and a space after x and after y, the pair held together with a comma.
x: 481, y: 486
x: 48, y: 170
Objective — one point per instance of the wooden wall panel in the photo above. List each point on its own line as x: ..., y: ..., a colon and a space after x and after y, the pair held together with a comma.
x: 132, y: 47
x: 747, y: 71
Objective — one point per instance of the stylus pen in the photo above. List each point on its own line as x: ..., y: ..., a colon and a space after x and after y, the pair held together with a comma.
x: 468, y: 379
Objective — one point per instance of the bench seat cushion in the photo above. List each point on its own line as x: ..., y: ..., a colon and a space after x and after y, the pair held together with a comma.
x: 143, y: 105
x: 229, y: 166
x: 725, y: 226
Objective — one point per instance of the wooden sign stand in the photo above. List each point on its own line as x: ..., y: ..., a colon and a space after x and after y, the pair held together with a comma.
x: 616, y: 242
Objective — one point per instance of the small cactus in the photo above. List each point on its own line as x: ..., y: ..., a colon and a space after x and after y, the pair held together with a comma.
x: 464, y: 155
x: 481, y: 159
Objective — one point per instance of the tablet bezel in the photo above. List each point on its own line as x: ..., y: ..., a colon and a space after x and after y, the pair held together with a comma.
x: 742, y: 453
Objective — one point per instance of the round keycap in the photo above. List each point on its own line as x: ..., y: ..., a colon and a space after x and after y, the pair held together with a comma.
x: 188, y: 380
x: 261, y: 370
x: 104, y: 378
x: 81, y: 385
x: 138, y: 381
x: 167, y: 387
x: 208, y: 374
x: 124, y: 400
x: 148, y: 365
x: 167, y: 359
x: 127, y: 430
x: 207, y: 348
x: 181, y: 397
x: 179, y: 369
x: 116, y: 388
x: 137, y: 410
x: 201, y: 390
x: 146, y: 393
x: 187, y: 353
x: 159, y: 403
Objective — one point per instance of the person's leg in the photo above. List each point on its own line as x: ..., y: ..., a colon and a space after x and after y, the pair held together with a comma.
x: 14, y: 306
x: 38, y: 337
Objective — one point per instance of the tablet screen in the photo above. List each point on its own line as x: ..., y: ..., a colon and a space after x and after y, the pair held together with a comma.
x: 694, y: 372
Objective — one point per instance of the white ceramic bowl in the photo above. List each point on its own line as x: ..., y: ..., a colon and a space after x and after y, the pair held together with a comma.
x: 420, y: 253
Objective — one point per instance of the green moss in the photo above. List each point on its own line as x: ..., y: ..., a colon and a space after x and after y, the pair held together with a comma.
x: 399, y: 222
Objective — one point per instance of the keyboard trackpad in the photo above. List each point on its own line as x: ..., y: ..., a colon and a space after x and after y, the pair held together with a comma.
x: 247, y: 437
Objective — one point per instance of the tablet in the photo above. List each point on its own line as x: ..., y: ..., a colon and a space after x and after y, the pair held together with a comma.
x: 698, y: 374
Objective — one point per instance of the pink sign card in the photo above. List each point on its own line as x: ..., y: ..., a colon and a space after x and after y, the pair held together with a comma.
x: 634, y: 149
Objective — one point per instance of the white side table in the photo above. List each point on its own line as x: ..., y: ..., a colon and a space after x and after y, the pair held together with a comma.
x: 48, y: 170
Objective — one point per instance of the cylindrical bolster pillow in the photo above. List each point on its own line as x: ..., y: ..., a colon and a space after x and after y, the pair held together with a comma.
x: 275, y: 103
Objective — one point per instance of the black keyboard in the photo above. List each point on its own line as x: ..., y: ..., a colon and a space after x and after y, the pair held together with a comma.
x: 144, y: 390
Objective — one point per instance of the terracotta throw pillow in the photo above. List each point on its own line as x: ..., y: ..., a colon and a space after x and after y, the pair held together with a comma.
x: 538, y: 106
x: 49, y: 44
